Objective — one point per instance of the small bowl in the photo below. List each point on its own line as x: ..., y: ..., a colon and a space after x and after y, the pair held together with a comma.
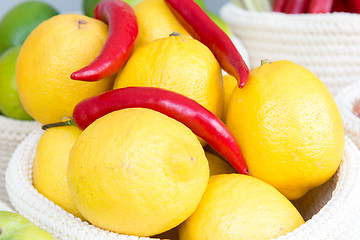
x: 345, y: 100
x: 326, y: 44
x: 5, y: 207
x: 12, y: 132
x: 332, y: 209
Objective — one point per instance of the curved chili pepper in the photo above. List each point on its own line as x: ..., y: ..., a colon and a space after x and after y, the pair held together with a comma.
x: 201, y: 27
x: 183, y: 109
x: 123, y: 31
x: 296, y: 6
x: 338, y: 6
x: 279, y: 5
x: 353, y: 6
x: 320, y: 6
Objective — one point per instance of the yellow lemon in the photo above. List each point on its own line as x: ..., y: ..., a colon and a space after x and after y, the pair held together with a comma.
x: 230, y: 83
x: 240, y: 207
x: 155, y: 20
x: 137, y: 172
x: 288, y: 127
x: 53, y: 50
x: 50, y: 166
x: 180, y: 64
x: 217, y: 165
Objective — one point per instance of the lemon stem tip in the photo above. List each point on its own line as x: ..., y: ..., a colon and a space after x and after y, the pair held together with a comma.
x: 174, y: 34
x: 265, y: 61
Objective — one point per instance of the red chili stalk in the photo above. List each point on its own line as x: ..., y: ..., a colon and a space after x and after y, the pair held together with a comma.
x: 338, y: 6
x: 123, y: 31
x: 296, y: 6
x: 202, y: 28
x: 183, y: 109
x: 354, y: 5
x: 349, y: 6
x: 320, y: 6
x: 279, y: 5
x: 356, y: 108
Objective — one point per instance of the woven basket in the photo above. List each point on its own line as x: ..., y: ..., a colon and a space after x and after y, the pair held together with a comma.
x: 331, y: 210
x: 12, y: 132
x: 5, y: 207
x: 241, y: 49
x: 326, y: 44
x: 345, y: 100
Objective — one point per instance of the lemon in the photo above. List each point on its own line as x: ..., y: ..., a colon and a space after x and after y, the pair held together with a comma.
x: 55, y: 49
x: 236, y: 207
x: 218, y: 165
x: 50, y: 166
x: 180, y: 64
x: 10, y: 104
x: 19, y: 21
x: 155, y: 21
x: 288, y: 127
x: 230, y: 83
x: 137, y: 172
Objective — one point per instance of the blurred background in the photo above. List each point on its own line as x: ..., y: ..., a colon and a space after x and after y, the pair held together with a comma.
x: 66, y: 6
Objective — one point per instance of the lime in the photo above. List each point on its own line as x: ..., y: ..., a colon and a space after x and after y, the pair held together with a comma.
x: 15, y: 226
x: 89, y: 5
x: 219, y: 22
x: 17, y: 24
x: 10, y: 104
x: 201, y: 4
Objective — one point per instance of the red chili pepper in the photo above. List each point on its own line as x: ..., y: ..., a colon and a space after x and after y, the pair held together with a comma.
x: 296, y: 6
x: 183, y: 109
x: 279, y: 5
x: 338, y: 6
x: 349, y: 6
x: 354, y: 6
x: 123, y: 31
x: 320, y: 6
x: 356, y: 108
x: 201, y: 27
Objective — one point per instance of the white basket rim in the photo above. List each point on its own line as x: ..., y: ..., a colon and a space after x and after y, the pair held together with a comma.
x: 32, y: 205
x: 345, y: 98
x: 8, y: 124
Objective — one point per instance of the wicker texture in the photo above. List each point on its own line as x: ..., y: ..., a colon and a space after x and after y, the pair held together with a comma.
x: 335, y: 204
x: 5, y: 207
x: 326, y: 44
x: 345, y: 100
x: 12, y: 132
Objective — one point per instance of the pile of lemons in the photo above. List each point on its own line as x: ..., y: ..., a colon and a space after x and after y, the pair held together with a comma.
x: 139, y: 172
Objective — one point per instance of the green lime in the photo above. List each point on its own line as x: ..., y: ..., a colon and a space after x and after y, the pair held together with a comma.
x: 19, y: 21
x: 10, y: 104
x: 219, y: 22
x: 89, y: 5
x: 201, y: 4
x: 15, y: 226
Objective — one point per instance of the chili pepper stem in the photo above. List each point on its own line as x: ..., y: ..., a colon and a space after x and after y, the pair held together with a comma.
x: 69, y: 122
